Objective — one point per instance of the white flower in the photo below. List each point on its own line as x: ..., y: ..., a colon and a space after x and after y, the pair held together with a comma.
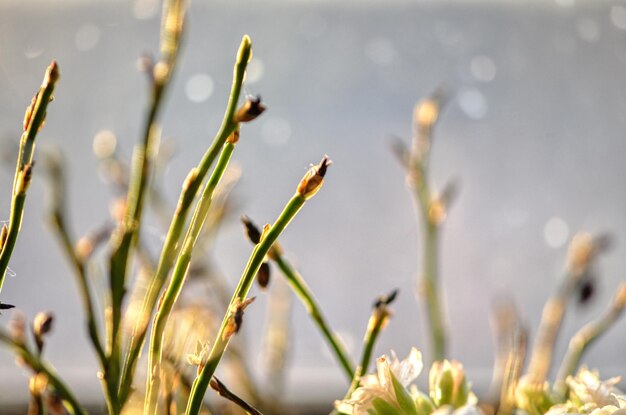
x: 588, y: 391
x: 381, y: 384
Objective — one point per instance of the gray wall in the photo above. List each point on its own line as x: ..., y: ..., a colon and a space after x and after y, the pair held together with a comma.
x: 535, y: 132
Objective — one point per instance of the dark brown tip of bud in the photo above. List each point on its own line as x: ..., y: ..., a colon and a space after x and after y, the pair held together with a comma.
x: 386, y: 299
x: 52, y: 74
x: 263, y: 275
x: 323, y: 166
x: 6, y: 306
x: 586, y: 289
x: 42, y: 324
x: 252, y: 231
x: 250, y: 109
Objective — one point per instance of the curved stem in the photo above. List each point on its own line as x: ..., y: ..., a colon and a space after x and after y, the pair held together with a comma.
x: 187, y: 196
x: 201, y: 383
x: 178, y: 278
x: 37, y: 365
x: 586, y: 336
x: 305, y: 295
x: 33, y: 121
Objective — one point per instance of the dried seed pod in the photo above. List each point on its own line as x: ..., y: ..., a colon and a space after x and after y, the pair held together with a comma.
x: 313, y: 179
x: 236, y: 318
x: 250, y: 110
x: 42, y: 323
x: 252, y: 231
x: 263, y: 275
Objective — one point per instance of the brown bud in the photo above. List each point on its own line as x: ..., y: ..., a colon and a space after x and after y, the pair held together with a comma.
x: 263, y: 275
x: 233, y: 138
x: 252, y: 231
x: 42, y: 323
x: 236, y: 317
x: 250, y: 109
x: 313, y: 179
x: 38, y: 384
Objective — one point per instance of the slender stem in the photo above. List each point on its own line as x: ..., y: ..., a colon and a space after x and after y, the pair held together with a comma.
x: 377, y: 322
x: 305, y: 295
x: 178, y: 278
x: 37, y: 365
x: 226, y: 393
x: 429, y: 284
x: 201, y: 383
x: 426, y: 114
x: 35, y: 117
x: 170, y: 247
x: 125, y: 239
x: 586, y: 336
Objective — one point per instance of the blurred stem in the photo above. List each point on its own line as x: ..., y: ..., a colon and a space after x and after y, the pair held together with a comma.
x: 581, y: 254
x: 201, y: 383
x: 417, y: 165
x: 586, y: 336
x: 170, y: 247
x: 378, y: 320
x: 38, y: 366
x: 33, y: 122
x: 305, y: 295
x: 224, y: 392
x: 178, y: 278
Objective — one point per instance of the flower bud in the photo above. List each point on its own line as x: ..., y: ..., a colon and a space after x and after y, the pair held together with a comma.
x: 252, y: 231
x: 42, y: 324
x: 250, y: 110
x: 263, y: 275
x: 38, y: 384
x: 448, y: 385
x: 313, y: 179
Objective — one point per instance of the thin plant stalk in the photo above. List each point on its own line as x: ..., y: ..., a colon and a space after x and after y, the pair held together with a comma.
x: 169, y: 251
x: 377, y: 322
x: 305, y: 295
x: 583, y: 250
x: 432, y: 212
x: 37, y: 365
x: 125, y: 238
x: 58, y: 220
x: 33, y: 121
x: 307, y: 188
x: 586, y: 336
x: 226, y: 393
x: 181, y: 269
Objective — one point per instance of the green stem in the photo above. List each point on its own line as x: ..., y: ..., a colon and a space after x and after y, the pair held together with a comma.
x: 376, y: 323
x: 178, y: 278
x: 88, y: 304
x: 305, y: 295
x: 429, y: 284
x: 37, y: 365
x: 187, y: 196
x: 32, y: 125
x: 201, y: 383
x: 549, y: 328
x: 586, y: 336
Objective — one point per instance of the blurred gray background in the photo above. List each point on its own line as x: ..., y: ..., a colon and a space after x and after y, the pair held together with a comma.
x: 534, y: 133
